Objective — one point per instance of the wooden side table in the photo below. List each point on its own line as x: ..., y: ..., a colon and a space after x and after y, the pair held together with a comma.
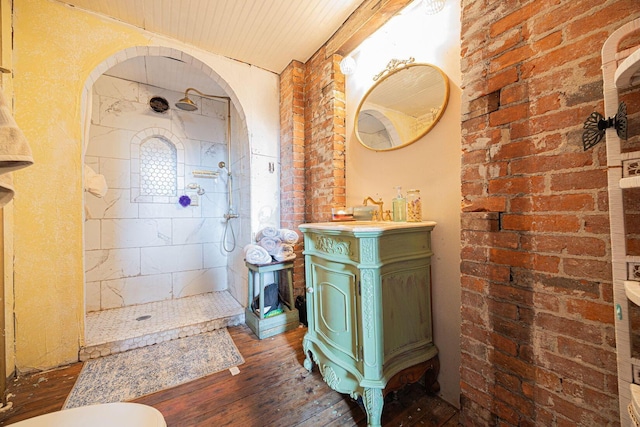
x: 262, y: 326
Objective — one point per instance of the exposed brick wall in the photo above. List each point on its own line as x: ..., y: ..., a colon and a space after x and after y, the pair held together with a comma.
x: 324, y: 137
x: 312, y: 138
x: 292, y: 187
x: 538, y: 340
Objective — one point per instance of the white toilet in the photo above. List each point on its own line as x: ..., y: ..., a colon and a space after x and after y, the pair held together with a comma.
x: 103, y: 415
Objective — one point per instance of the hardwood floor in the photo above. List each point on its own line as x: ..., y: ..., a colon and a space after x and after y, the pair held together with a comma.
x: 272, y: 388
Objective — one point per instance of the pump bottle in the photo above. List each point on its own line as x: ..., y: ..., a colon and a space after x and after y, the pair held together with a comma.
x: 399, y: 207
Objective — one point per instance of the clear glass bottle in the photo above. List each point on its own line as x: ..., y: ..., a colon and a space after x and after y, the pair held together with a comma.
x: 414, y: 206
x: 399, y: 207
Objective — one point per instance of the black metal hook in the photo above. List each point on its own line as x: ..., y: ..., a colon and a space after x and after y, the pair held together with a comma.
x: 596, y: 125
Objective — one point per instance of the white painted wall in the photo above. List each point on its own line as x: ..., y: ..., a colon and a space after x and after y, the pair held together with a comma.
x: 432, y: 164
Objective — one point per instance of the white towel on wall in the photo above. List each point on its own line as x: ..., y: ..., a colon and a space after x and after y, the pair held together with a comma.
x: 15, y: 152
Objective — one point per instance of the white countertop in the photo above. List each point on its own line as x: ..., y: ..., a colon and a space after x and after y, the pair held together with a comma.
x: 365, y: 225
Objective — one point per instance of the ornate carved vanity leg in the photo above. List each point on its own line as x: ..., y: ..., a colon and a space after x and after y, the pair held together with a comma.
x: 373, y: 402
x: 308, y: 363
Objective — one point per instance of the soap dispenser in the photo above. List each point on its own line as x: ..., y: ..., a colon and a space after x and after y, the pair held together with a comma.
x: 399, y: 207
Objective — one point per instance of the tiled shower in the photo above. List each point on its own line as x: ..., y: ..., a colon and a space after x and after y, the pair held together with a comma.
x: 142, y: 247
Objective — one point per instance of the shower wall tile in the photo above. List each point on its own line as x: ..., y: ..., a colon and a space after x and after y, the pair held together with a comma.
x: 214, y: 255
x: 132, y: 233
x: 214, y: 108
x: 147, y: 92
x: 116, y: 88
x: 112, y: 264
x: 190, y: 283
x: 195, y: 230
x: 213, y: 153
x: 165, y: 210
x: 109, y: 142
x: 191, y: 152
x: 167, y: 259
x: 203, y: 128
x: 92, y: 296
x: 91, y: 234
x: 92, y: 162
x: 135, y: 290
x: 115, y: 204
x: 213, y: 204
x: 130, y: 115
x: 116, y: 172
x: 178, y: 249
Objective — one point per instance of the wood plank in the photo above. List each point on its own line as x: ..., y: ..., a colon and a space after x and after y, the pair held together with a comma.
x: 272, y: 388
x: 364, y: 21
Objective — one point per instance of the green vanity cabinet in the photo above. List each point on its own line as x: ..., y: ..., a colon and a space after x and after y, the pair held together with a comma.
x: 369, y: 307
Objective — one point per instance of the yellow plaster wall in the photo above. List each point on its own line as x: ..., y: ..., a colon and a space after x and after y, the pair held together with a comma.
x: 6, y: 215
x: 55, y: 50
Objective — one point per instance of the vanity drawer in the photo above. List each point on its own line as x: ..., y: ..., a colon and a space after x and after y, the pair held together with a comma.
x: 335, y: 247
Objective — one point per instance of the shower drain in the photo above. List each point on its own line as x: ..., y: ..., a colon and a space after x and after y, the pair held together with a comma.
x: 145, y: 317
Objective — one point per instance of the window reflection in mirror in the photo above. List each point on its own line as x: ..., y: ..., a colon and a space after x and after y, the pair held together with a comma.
x: 402, y: 107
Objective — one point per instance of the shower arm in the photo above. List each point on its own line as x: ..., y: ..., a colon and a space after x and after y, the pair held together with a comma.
x: 228, y: 99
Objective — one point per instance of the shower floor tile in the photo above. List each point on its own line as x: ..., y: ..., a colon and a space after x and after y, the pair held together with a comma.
x: 121, y: 329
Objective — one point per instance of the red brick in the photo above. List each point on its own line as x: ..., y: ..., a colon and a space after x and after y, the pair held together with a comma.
x: 510, y: 58
x: 514, y: 294
x: 513, y: 93
x: 572, y: 328
x: 587, y: 268
x: 563, y: 202
x: 485, y: 204
x: 514, y: 19
x: 579, y: 180
x: 593, y: 355
x: 495, y: 273
x: 513, y: 365
x: 509, y: 114
x: 541, y: 223
x: 516, y: 185
x: 520, y: 403
x: 502, y: 79
x: 561, y: 244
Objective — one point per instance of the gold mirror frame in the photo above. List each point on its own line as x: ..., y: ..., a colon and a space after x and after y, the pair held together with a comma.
x: 410, y: 84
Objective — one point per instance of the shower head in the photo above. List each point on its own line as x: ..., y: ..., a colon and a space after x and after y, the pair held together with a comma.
x: 186, y: 104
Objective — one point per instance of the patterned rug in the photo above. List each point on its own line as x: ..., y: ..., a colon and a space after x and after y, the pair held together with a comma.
x: 126, y: 376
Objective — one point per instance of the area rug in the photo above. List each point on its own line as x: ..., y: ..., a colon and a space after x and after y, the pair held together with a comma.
x: 126, y: 376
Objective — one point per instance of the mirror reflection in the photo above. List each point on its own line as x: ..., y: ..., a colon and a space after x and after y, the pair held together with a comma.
x: 402, y: 106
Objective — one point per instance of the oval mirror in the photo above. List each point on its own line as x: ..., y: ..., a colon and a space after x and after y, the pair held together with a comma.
x: 402, y: 106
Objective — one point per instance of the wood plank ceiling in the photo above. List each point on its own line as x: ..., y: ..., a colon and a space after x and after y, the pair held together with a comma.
x: 265, y: 33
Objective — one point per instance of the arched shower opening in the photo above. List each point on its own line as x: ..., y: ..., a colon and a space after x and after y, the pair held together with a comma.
x: 159, y: 243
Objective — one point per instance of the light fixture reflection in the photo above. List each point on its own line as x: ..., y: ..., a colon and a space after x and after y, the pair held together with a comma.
x: 431, y: 7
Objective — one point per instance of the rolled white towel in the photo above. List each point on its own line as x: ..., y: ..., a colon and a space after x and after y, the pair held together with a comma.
x: 267, y: 232
x: 257, y: 255
x: 288, y: 236
x: 284, y: 252
x: 269, y: 243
